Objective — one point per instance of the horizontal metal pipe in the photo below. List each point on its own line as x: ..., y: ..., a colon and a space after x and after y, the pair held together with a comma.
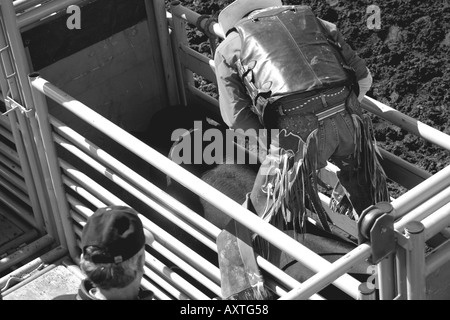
x: 305, y: 256
x: 157, y: 292
x: 17, y: 207
x: 77, y: 218
x: 281, y: 276
x: 9, y: 185
x: 103, y: 157
x: 198, y: 63
x: 43, y: 11
x: 78, y: 231
x: 407, y: 123
x: 15, y: 181
x: 275, y: 288
x: 71, y: 184
x: 182, y: 250
x: 204, y: 225
x: 438, y: 258
x: 135, y: 192
x: 421, y: 193
x: 4, y: 121
x: 14, y: 167
x: 168, y: 200
x: 415, y: 174
x: 163, y: 236
x: 436, y: 222
x: 7, y: 134
x: 165, y: 284
x: 192, y: 89
x: 424, y: 209
x: 22, y: 5
x: 208, y: 283
x: 19, y: 240
x: 167, y: 273
x: 37, y: 268
x: 446, y: 232
x: 40, y: 272
x: 9, y: 152
x: 24, y: 271
x: 192, y: 17
x: 321, y: 279
x: 79, y: 207
x: 25, y: 252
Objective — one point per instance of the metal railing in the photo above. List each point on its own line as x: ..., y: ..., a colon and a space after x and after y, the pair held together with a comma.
x: 171, y: 169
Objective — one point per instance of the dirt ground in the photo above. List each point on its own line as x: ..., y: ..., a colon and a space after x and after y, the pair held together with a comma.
x: 408, y: 53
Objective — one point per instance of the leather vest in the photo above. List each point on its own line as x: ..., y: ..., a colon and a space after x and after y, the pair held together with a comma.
x: 286, y: 51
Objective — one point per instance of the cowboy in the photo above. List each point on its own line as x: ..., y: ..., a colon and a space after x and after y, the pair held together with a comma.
x: 281, y: 67
x: 113, y: 256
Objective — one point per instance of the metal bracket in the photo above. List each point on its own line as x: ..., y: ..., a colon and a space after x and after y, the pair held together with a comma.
x: 9, y: 108
x: 13, y: 105
x: 376, y: 225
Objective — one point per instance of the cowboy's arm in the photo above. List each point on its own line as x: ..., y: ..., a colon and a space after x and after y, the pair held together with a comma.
x: 363, y: 75
x: 234, y: 102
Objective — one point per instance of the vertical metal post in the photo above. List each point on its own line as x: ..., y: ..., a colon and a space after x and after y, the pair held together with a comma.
x: 415, y: 261
x: 27, y: 175
x: 62, y: 217
x: 9, y: 84
x: 156, y: 10
x: 179, y: 38
x: 386, y: 278
x: 401, y: 273
x: 366, y: 292
x: 40, y: 169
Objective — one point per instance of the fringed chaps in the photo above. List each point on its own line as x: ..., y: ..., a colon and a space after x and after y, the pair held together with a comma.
x: 368, y: 173
x: 292, y: 183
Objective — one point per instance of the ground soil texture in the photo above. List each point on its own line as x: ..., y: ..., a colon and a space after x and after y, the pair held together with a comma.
x: 409, y: 57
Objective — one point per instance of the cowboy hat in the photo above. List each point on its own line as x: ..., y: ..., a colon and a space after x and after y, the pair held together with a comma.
x: 235, y: 11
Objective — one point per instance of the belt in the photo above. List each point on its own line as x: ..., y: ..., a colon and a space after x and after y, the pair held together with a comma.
x: 323, y: 104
